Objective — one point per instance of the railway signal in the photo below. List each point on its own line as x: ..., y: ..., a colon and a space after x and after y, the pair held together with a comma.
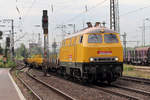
x: 7, y: 45
x: 1, y: 33
x: 45, y: 31
x: 45, y: 22
x: 8, y: 41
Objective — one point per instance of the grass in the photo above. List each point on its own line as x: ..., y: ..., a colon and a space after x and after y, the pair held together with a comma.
x: 30, y: 92
x: 17, y: 71
x: 19, y: 58
x: 130, y: 70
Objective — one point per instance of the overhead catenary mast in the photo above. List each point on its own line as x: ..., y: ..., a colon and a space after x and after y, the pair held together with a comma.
x: 39, y: 40
x: 117, y: 16
x: 114, y: 15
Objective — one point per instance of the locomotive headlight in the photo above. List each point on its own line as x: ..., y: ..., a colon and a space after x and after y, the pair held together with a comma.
x: 116, y: 59
x: 91, y: 59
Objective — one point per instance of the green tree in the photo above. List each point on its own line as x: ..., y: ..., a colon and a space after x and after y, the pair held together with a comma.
x: 1, y: 50
x: 22, y: 51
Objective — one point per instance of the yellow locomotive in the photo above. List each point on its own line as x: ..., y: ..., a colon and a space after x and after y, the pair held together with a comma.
x: 34, y: 61
x: 95, y: 53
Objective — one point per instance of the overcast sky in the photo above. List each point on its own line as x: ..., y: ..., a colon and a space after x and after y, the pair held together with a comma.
x: 132, y: 14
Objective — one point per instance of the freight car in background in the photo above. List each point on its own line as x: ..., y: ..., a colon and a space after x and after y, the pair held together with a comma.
x: 138, y: 56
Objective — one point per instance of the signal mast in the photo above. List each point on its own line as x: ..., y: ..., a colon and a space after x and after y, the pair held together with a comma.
x: 45, y: 31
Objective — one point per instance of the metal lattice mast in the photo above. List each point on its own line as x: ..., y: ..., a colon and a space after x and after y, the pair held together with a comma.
x: 117, y: 16
x: 39, y: 40
x: 112, y: 15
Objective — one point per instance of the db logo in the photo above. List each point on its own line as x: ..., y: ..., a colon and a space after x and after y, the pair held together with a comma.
x: 104, y: 52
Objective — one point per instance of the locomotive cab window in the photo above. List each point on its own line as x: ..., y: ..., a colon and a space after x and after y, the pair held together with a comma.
x: 95, y: 38
x: 81, y: 39
x: 110, y: 38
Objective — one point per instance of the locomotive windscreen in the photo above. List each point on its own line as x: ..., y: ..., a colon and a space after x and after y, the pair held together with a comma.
x: 94, y: 38
x: 110, y: 38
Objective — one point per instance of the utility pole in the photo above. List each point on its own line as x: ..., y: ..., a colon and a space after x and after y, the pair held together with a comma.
x: 39, y: 40
x: 45, y: 31
x: 12, y: 37
x: 62, y: 27
x: 12, y: 42
x: 143, y: 34
x: 54, y: 46
x: 125, y: 43
x: 138, y: 43
x: 74, y: 27
x: 144, y: 29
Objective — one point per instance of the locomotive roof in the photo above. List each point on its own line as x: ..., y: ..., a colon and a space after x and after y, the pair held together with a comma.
x: 91, y: 30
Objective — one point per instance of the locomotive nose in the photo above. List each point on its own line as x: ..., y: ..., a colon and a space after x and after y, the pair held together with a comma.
x: 104, y: 54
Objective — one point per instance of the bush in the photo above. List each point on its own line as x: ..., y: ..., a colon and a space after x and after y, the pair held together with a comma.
x: 9, y: 64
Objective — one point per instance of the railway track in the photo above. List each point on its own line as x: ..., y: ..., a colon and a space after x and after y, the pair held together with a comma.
x: 64, y: 95
x: 30, y: 89
x: 107, y: 90
x: 132, y: 90
x: 127, y: 95
x: 135, y: 79
x: 123, y: 91
x: 135, y: 93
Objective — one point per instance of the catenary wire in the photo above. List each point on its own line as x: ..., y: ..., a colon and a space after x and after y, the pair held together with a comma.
x: 102, y: 2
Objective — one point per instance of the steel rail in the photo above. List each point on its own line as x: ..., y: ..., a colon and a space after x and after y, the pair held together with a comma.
x: 66, y: 96
x: 29, y: 88
x: 136, y: 79
x: 145, y: 79
x: 133, y: 90
x: 116, y: 93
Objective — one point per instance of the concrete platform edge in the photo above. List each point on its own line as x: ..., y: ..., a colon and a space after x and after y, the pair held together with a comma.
x: 16, y: 87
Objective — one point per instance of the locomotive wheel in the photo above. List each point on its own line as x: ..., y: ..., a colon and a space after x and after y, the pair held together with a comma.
x: 91, y: 78
x: 110, y: 78
x: 109, y: 82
